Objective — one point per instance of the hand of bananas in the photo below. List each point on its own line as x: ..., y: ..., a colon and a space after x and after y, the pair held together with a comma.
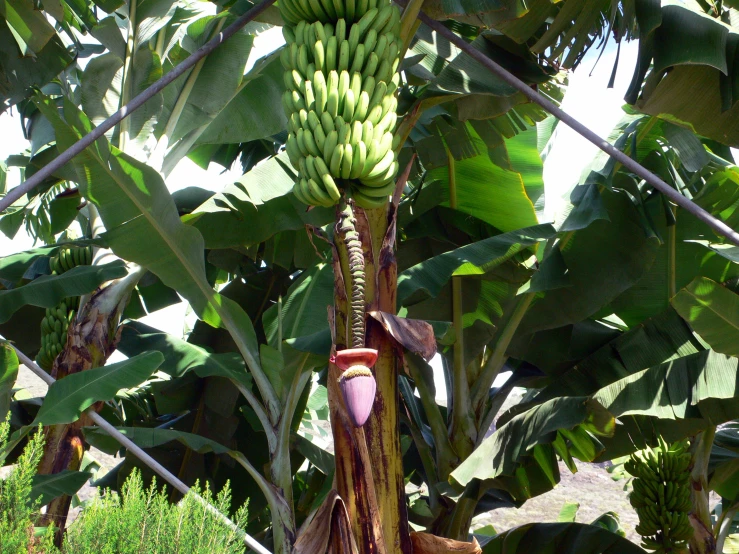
x: 661, y: 496
x: 55, y: 323
x: 341, y: 63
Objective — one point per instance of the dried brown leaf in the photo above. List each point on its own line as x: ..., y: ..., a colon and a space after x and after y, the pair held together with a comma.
x: 329, y: 532
x: 413, y: 334
x: 426, y: 543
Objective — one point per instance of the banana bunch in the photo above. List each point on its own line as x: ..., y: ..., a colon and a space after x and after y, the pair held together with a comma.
x: 55, y: 323
x: 54, y: 327
x: 69, y: 257
x: 661, y: 496
x: 341, y: 63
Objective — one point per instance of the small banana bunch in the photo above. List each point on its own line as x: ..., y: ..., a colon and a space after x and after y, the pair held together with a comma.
x: 661, y: 496
x: 55, y: 323
x: 54, y: 327
x: 341, y: 63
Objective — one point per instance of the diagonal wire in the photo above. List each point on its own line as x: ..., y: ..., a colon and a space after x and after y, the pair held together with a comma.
x: 688, y: 205
x: 139, y: 100
x: 145, y: 458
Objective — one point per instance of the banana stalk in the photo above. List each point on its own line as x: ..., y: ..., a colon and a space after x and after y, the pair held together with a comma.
x: 91, y: 339
x: 703, y: 540
x: 369, y: 473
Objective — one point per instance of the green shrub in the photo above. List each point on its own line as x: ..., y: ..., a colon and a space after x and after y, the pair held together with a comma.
x: 138, y: 521
x: 17, y: 513
x: 142, y: 521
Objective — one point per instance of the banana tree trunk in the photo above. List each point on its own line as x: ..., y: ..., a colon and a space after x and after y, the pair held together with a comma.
x: 703, y: 541
x: 91, y: 339
x: 369, y: 470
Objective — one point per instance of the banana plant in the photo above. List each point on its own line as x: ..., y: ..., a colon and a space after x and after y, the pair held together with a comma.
x: 601, y: 314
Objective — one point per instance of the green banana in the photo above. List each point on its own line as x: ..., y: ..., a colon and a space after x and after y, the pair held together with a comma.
x: 331, y: 53
x: 340, y: 62
x: 343, y: 63
x: 358, y: 61
x: 55, y: 323
x: 661, y: 496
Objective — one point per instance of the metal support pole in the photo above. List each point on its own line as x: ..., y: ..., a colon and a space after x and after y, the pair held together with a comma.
x: 673, y: 195
x: 138, y: 101
x: 250, y: 541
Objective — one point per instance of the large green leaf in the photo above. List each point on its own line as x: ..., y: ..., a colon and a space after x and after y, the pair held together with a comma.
x: 659, y: 339
x: 255, y: 111
x: 602, y: 261
x: 304, y: 308
x: 101, y: 93
x: 257, y: 207
x: 138, y: 210
x: 500, y: 453
x: 8, y: 375
x: 488, y: 192
x: 556, y: 538
x: 29, y: 26
x: 676, y: 399
x: 45, y: 488
x: 69, y: 397
x: 669, y: 100
x: 203, y: 101
x: 180, y: 356
x: 700, y: 385
x: 151, y: 437
x: 14, y: 266
x: 680, y: 260
x: 713, y: 311
x: 431, y: 275
x: 49, y: 290
x: 19, y: 74
x: 524, y: 157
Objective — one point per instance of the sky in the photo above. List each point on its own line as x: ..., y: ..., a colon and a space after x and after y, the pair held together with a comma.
x: 587, y: 99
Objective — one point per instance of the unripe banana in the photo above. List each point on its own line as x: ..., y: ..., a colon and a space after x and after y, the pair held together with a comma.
x: 310, y: 98
x: 367, y: 19
x: 327, y: 122
x: 320, y: 91
x: 345, y: 130
x: 358, y: 61
x: 359, y: 150
x: 370, y: 41
x: 320, y: 137
x: 357, y: 131
x: 319, y: 55
x: 332, y: 140
x: 346, y: 161
x: 344, y: 81
x: 378, y: 192
x: 318, y: 10
x: 55, y: 323
x: 332, y: 51
x: 350, y: 10
x: 362, y: 7
x: 341, y: 30
x: 371, y: 65
x: 343, y: 63
x: 303, y: 59
x: 311, y: 144
x: 336, y: 158
x: 349, y: 105
x: 367, y: 202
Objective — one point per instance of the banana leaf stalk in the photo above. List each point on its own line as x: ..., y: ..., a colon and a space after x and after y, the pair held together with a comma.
x: 90, y: 341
